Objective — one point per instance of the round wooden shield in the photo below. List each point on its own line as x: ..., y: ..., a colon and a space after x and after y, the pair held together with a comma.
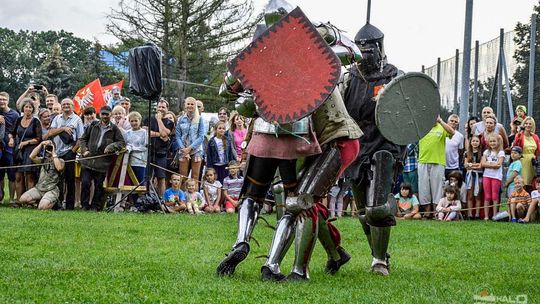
x: 407, y: 108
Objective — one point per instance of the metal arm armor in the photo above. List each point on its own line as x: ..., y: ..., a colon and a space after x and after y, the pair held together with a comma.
x: 343, y: 46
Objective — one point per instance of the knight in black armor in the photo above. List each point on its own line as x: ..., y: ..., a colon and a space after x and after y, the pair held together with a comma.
x: 374, y: 171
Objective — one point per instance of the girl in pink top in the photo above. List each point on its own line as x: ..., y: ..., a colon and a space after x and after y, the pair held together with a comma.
x: 239, y: 131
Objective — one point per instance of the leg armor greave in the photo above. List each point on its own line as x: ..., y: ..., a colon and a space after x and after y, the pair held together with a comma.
x: 381, y: 204
x: 279, y: 198
x: 305, y: 239
x: 281, y: 242
x: 247, y: 218
x: 317, y: 180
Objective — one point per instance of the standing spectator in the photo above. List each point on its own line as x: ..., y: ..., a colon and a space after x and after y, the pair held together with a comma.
x: 491, y: 128
x: 50, y: 100
x: 8, y: 118
x: 100, y: 138
x: 469, y: 131
x: 223, y: 116
x: 126, y: 104
x: 27, y: 134
x: 119, y: 119
x: 45, y: 119
x: 514, y: 170
x: 492, y: 161
x: 160, y: 130
x: 480, y: 127
x: 220, y: 151
x: 530, y: 144
x: 33, y: 93
x: 431, y: 164
x: 232, y: 185
x: 136, y: 144
x: 89, y: 116
x: 521, y: 112
x: 239, y: 131
x: 474, y: 177
x: 454, y: 146
x: 66, y: 131
x: 46, y: 190
x: 115, y: 98
x: 172, y: 161
x: 211, y: 191
x: 190, y: 131
x: 410, y: 168
x: 515, y: 127
x: 56, y: 110
x: 449, y: 206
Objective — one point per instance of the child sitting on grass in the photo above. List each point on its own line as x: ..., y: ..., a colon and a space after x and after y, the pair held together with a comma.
x: 211, y: 191
x: 455, y: 178
x: 519, y: 201
x: 407, y: 203
x: 449, y: 205
x: 535, y: 202
x: 194, y: 199
x: 175, y: 200
x: 232, y: 185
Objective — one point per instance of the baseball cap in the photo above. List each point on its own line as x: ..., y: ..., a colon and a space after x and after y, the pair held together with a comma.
x: 517, y: 149
x: 105, y: 109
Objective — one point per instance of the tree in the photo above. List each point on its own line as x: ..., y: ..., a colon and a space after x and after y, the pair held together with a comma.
x: 196, y: 37
x: 23, y: 52
x: 55, y: 73
x: 522, y: 39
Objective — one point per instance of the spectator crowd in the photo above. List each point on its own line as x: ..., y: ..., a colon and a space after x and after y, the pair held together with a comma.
x: 56, y: 159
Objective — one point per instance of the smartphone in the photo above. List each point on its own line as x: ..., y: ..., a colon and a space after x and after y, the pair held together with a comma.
x: 38, y: 87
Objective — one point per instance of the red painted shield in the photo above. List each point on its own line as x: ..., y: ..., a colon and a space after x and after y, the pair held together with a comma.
x: 290, y: 69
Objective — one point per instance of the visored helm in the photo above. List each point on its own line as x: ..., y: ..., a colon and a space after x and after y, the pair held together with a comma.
x: 275, y: 10
x: 370, y: 41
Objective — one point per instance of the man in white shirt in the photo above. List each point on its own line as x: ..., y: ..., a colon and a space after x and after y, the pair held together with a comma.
x: 66, y: 130
x: 454, y: 146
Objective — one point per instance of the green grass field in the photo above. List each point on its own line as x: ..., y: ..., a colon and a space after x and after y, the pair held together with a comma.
x: 78, y: 257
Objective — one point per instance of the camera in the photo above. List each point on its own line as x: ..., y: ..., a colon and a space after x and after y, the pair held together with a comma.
x: 48, y: 148
x: 37, y: 87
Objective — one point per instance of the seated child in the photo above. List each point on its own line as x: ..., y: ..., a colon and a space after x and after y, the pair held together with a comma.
x: 449, y: 205
x: 519, y: 200
x: 232, y: 185
x: 455, y: 178
x: 211, y: 192
x: 194, y: 199
x: 175, y: 200
x: 407, y: 203
x: 535, y: 202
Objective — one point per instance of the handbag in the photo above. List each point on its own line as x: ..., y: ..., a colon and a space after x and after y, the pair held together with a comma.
x: 17, y: 153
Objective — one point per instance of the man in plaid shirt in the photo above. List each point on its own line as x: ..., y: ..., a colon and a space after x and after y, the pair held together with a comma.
x: 410, y: 166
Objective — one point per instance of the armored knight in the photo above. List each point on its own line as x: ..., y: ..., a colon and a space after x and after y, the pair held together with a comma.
x: 338, y: 135
x: 374, y: 171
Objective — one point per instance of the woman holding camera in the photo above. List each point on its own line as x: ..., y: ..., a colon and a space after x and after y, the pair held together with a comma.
x: 530, y: 143
x: 27, y: 135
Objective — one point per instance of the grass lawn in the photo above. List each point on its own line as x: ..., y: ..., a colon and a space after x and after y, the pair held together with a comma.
x: 80, y: 257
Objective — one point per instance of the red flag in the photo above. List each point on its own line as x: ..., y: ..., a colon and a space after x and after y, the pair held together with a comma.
x: 107, y: 94
x: 89, y: 96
